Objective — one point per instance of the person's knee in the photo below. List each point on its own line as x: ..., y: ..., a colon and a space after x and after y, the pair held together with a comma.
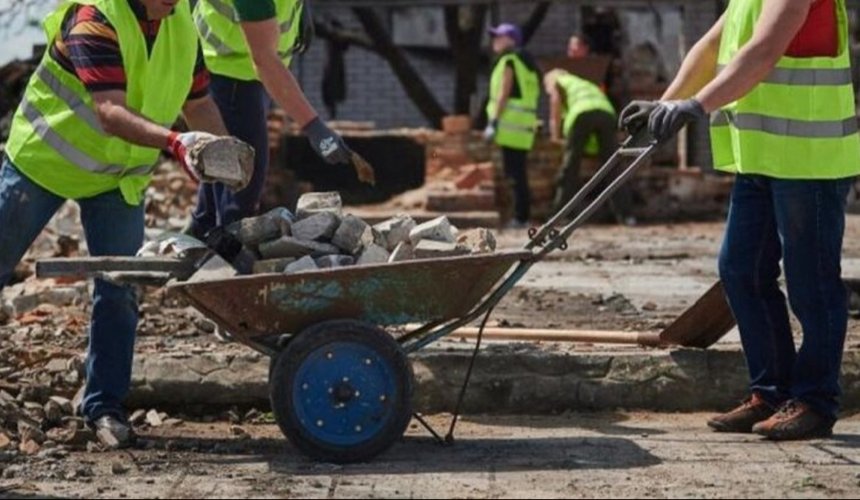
x: 736, y: 270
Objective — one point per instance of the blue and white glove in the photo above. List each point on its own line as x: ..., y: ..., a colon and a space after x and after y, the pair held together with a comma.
x: 327, y: 143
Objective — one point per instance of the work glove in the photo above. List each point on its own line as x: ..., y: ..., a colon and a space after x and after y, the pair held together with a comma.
x: 180, y: 146
x: 490, y: 131
x: 327, y: 143
x: 671, y: 116
x: 635, y: 115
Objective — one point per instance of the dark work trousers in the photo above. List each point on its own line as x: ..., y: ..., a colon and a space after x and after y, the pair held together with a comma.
x: 515, y: 168
x: 603, y: 125
x: 800, y: 222
x: 244, y: 106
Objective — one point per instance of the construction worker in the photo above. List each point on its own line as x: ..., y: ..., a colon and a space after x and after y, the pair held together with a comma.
x: 248, y: 46
x: 775, y: 76
x: 582, y: 114
x: 90, y: 128
x: 512, y: 111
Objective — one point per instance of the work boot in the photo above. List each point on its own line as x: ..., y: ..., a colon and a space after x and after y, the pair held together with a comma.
x: 754, y: 409
x: 112, y: 433
x: 795, y: 420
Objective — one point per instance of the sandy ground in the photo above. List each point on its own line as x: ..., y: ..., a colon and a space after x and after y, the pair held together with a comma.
x: 582, y: 456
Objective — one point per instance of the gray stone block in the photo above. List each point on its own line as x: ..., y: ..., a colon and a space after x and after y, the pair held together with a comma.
x: 314, y: 203
x: 253, y: 231
x: 373, y: 254
x: 302, y: 265
x: 403, y: 251
x: 438, y: 229
x: 478, y: 240
x: 215, y: 268
x: 317, y: 227
x: 335, y: 261
x: 429, y: 249
x: 287, y: 246
x: 352, y: 235
x: 394, y: 231
x: 272, y: 265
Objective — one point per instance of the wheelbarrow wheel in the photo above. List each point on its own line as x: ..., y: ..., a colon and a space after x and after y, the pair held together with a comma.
x: 341, y: 391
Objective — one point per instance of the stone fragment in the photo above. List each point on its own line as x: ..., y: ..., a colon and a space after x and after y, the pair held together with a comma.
x: 287, y: 246
x: 271, y: 225
x: 56, y: 365
x: 317, y: 227
x: 53, y: 412
x: 5, y: 442
x: 330, y: 261
x: 27, y: 431
x: 118, y: 468
x: 107, y: 439
x: 394, y: 231
x: 154, y: 419
x: 272, y: 265
x: 313, y: 203
x: 223, y: 159
x: 477, y: 240
x: 29, y: 447
x: 138, y: 417
x: 65, y: 404
x: 353, y: 235
x: 214, y: 269
x: 429, y: 249
x: 438, y: 229
x: 173, y: 422
x: 304, y: 264
x: 373, y: 254
x: 403, y: 251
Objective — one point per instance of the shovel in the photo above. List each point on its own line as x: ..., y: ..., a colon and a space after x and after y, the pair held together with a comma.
x: 704, y: 323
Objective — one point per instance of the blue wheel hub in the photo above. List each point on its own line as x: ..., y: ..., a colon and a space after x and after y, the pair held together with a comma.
x: 342, y: 393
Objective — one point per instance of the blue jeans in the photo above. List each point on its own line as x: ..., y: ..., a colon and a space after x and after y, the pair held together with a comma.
x: 800, y: 222
x: 112, y: 227
x: 244, y: 107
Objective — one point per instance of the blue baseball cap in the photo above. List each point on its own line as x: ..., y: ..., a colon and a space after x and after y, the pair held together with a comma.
x: 510, y: 30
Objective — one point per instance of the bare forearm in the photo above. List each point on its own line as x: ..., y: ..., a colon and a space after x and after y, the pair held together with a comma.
x: 203, y: 115
x: 121, y: 122
x: 699, y: 67
x: 285, y: 90
x: 555, y: 119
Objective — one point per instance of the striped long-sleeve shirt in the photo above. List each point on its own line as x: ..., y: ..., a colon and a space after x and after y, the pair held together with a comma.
x: 87, y: 46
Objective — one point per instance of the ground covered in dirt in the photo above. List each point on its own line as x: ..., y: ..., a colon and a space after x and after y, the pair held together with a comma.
x: 580, y: 456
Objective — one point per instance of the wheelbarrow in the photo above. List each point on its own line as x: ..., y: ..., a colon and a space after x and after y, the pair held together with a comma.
x: 340, y: 384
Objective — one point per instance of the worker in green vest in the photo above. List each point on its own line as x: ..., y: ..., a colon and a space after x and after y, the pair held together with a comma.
x: 775, y: 77
x: 581, y: 114
x: 512, y: 111
x: 91, y: 126
x: 248, y: 45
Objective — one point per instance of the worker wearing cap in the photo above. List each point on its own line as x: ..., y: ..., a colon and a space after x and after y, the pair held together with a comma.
x: 91, y: 125
x: 512, y: 110
x: 582, y: 114
x: 248, y: 46
x: 775, y: 76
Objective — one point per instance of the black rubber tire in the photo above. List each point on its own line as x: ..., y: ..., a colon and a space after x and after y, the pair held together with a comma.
x: 283, y: 372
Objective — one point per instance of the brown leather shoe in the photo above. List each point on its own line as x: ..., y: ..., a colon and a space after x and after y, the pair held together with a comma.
x: 793, y: 421
x: 754, y: 409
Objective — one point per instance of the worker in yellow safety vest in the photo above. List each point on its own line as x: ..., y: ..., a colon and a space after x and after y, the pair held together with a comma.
x: 91, y: 126
x: 512, y: 111
x: 775, y: 78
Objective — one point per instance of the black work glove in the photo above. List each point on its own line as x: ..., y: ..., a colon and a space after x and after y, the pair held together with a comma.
x: 671, y: 116
x: 635, y: 115
x: 327, y: 143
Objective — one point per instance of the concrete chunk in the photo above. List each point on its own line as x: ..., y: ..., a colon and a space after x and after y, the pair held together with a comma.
x: 272, y: 265
x: 215, y: 268
x: 373, y: 254
x: 317, y: 227
x: 438, y: 229
x: 287, y: 246
x: 403, y: 251
x: 429, y: 249
x: 314, y: 203
x: 352, y: 235
x: 479, y: 240
x: 394, y: 231
x: 252, y: 231
x: 335, y: 261
x: 302, y: 265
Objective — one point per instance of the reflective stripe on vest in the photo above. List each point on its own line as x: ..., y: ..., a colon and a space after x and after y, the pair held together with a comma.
x: 212, y: 39
x: 786, y: 127
x: 72, y: 100
x: 800, y: 121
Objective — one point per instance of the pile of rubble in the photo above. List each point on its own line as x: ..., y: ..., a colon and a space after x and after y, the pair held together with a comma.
x: 320, y: 236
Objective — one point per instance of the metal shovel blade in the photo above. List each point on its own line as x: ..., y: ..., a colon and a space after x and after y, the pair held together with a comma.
x: 704, y: 323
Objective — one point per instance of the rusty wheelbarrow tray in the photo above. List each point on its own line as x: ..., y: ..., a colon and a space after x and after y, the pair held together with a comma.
x: 255, y: 308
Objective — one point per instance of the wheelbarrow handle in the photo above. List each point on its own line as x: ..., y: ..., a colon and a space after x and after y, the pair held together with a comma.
x: 640, y: 147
